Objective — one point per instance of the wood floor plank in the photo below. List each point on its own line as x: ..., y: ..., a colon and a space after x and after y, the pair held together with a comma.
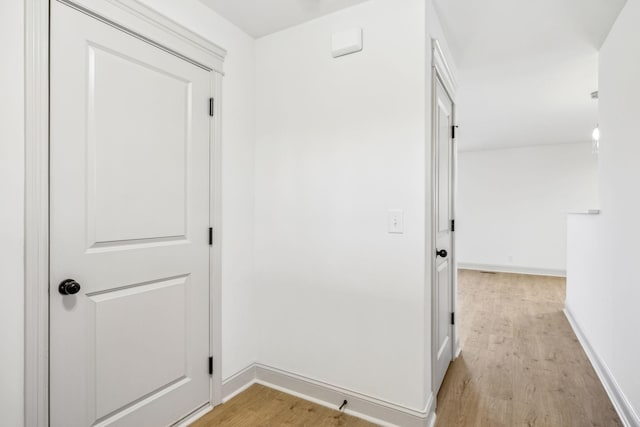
x: 260, y: 406
x: 521, y: 363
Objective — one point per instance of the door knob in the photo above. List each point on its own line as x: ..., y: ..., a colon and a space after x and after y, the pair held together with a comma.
x: 441, y: 253
x: 69, y: 287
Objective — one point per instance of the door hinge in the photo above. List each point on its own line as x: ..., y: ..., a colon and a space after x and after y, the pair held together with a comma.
x: 210, y: 365
x: 210, y: 236
x: 453, y: 318
x: 453, y: 131
x: 453, y: 225
x: 211, y: 107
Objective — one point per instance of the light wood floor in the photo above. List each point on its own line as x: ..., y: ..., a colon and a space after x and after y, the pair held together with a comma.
x: 260, y: 406
x: 521, y: 366
x: 521, y: 363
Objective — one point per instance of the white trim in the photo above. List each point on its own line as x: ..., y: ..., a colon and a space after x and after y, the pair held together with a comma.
x: 441, y: 72
x: 36, y: 233
x: 362, y: 406
x: 587, y: 212
x: 514, y: 269
x: 444, y: 70
x: 457, y: 349
x: 432, y: 240
x: 366, y: 407
x: 195, y: 416
x: 141, y: 21
x: 620, y: 402
x: 215, y: 221
x: 238, y: 382
x: 518, y: 147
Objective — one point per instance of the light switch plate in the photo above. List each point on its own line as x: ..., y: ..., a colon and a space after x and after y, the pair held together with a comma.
x: 396, y: 221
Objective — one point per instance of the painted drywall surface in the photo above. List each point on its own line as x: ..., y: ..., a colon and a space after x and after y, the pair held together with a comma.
x: 238, y: 142
x: 588, y: 300
x: 339, y: 143
x: 512, y: 204
x: 11, y: 213
x: 607, y: 308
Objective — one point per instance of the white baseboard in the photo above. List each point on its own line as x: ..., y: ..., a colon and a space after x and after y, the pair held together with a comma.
x: 457, y: 349
x: 512, y: 269
x: 620, y: 402
x: 238, y: 383
x: 192, y: 418
x: 362, y: 406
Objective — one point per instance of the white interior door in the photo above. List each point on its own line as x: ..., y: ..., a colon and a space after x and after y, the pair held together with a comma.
x: 443, y: 151
x: 129, y: 197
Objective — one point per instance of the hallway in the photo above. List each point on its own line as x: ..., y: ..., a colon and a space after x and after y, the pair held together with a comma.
x: 521, y: 364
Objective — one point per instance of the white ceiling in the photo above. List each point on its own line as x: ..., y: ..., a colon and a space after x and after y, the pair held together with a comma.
x: 261, y: 17
x: 526, y: 68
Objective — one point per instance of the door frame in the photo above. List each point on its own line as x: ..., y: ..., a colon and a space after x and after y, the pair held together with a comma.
x: 442, y: 72
x: 143, y: 22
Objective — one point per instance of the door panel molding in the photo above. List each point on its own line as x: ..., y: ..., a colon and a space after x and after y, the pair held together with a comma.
x: 137, y: 19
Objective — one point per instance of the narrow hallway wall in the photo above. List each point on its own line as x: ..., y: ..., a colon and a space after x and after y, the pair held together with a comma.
x: 603, y: 289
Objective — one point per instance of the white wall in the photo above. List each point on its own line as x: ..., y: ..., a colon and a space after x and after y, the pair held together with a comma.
x: 238, y: 145
x: 512, y: 205
x: 341, y: 141
x: 587, y: 299
x: 11, y: 212
x: 603, y: 296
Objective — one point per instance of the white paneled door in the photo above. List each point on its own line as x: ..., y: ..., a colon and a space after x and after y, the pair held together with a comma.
x: 129, y: 197
x: 443, y: 152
